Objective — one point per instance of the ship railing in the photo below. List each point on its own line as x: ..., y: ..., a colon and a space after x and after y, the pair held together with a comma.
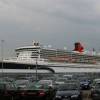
x: 27, y: 61
x: 11, y: 58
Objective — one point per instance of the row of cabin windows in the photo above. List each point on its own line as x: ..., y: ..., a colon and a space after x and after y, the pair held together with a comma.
x: 53, y: 51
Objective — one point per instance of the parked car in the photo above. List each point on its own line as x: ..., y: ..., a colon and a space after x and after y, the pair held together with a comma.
x: 85, y: 84
x: 68, y: 91
x: 50, y: 83
x: 68, y: 76
x: 95, y: 91
x: 21, y: 84
x: 7, y: 90
x: 59, y: 81
x: 36, y: 92
x: 95, y: 81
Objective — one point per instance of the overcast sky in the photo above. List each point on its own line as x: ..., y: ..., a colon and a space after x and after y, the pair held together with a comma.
x: 59, y: 23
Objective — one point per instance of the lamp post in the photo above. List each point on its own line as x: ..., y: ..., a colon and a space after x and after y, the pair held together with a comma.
x: 36, y: 70
x: 2, y: 51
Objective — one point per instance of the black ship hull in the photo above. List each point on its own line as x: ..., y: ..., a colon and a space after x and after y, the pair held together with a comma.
x: 21, y: 66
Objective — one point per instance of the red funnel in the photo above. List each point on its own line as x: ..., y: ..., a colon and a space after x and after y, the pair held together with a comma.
x: 78, y: 47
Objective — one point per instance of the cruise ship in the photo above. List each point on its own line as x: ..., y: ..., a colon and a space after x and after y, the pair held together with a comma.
x: 36, y: 57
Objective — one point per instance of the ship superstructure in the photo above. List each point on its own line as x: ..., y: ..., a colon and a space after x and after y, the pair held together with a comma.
x: 37, y: 52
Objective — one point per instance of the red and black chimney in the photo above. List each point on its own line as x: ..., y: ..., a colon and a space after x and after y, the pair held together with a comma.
x: 78, y: 47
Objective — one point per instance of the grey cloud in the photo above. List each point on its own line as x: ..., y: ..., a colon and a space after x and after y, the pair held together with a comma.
x: 57, y: 22
x: 78, y: 11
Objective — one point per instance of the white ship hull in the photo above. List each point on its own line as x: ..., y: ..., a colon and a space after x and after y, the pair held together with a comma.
x: 44, y: 67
